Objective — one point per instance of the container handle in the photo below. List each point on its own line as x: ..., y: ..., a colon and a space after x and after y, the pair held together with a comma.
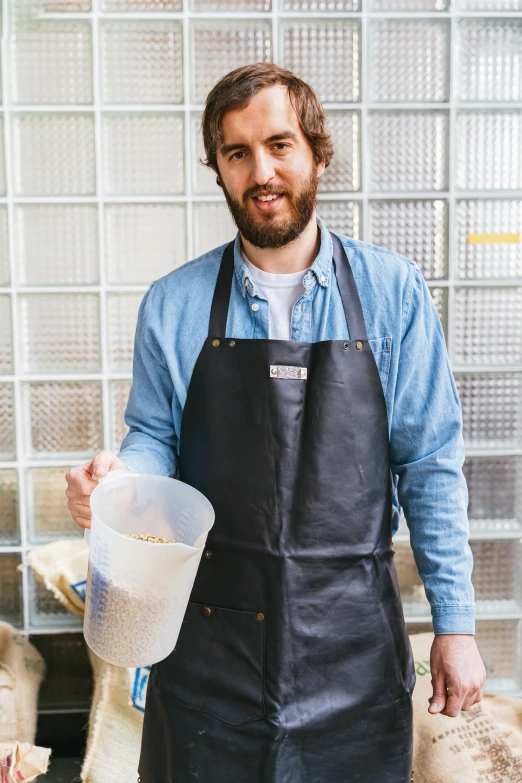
x: 111, y: 474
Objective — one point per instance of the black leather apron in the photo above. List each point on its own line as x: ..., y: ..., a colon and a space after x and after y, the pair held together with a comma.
x: 293, y: 664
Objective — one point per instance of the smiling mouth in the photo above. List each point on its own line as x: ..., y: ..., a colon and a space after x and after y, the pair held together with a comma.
x: 268, y: 203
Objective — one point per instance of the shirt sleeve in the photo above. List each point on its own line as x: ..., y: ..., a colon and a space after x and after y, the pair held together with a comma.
x: 427, y: 454
x: 151, y: 444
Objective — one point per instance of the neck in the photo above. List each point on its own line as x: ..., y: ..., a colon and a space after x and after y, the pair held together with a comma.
x: 294, y: 257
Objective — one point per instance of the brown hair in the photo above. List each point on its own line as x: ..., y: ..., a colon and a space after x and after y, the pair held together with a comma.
x: 236, y: 90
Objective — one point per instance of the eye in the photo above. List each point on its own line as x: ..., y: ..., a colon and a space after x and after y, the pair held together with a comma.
x: 281, y: 144
x: 234, y: 155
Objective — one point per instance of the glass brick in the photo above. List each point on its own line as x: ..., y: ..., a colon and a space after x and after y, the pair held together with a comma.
x: 499, y: 643
x: 415, y: 229
x: 120, y: 391
x: 326, y: 55
x: 64, y: 419
x: 344, y: 171
x: 213, y: 226
x: 11, y: 604
x: 68, y: 682
x: 5, y: 275
x: 57, y: 244
x: 219, y: 47
x: 9, y: 528
x: 491, y: 409
x: 143, y: 153
x: 142, y: 6
x: 497, y: 576
x: 413, y: 596
x: 69, y: 341
x: 24, y: 11
x: 489, y: 5
x: 409, y: 60
x: 52, y: 62
x: 408, y: 150
x: 488, y: 326
x: 2, y: 158
x: 321, y: 5
x: 203, y: 178
x: 238, y: 6
x: 144, y: 241
x: 488, y: 150
x: 45, y: 609
x: 495, y: 494
x: 440, y: 297
x: 343, y: 217
x: 48, y: 515
x: 122, y: 317
x: 142, y: 62
x: 7, y: 423
x: 408, y: 5
x: 489, y: 238
x: 490, y: 65
x: 6, y: 338
x: 53, y: 154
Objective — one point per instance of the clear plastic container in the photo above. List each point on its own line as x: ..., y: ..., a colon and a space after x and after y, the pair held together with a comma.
x: 137, y: 592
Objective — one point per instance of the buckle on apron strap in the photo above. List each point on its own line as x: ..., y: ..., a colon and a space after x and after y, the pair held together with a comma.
x: 288, y: 373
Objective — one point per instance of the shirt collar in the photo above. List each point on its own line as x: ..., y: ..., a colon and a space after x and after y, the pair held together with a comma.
x: 321, y: 267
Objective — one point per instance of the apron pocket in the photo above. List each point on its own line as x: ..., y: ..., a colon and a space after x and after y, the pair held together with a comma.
x: 218, y: 664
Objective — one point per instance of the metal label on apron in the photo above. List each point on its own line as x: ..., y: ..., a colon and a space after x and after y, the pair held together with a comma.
x: 288, y: 373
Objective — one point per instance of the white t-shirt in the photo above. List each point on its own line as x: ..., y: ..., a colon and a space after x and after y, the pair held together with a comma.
x: 282, y: 292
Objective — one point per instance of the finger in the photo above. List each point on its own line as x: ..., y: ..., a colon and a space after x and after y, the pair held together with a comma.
x: 77, y: 496
x: 471, y: 698
x: 80, y: 481
x: 438, y: 700
x: 453, y: 704
x: 79, y: 508
x: 82, y: 521
x: 102, y: 463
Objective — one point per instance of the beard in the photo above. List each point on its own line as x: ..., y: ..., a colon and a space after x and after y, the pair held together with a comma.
x: 268, y: 229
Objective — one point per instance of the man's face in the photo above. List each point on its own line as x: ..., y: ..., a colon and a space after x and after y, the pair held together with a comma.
x: 265, y: 153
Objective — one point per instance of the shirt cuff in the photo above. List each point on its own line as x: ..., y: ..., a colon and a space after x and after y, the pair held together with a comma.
x: 454, y: 619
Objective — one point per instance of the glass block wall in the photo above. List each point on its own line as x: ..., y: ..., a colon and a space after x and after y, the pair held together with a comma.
x: 101, y: 192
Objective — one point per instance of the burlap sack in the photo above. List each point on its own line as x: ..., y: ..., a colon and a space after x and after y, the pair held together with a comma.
x: 22, y: 762
x: 482, y: 745
x: 116, y: 714
x: 22, y: 669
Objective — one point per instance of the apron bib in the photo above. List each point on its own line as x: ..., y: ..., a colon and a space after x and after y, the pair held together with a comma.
x: 293, y: 664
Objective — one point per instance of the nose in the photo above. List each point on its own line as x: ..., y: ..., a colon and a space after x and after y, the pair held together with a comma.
x: 262, y: 169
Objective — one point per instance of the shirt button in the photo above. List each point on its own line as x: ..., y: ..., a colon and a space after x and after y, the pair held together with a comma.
x: 255, y: 308
x: 323, y: 279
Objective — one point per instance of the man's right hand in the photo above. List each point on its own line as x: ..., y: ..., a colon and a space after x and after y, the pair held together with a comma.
x: 80, y: 484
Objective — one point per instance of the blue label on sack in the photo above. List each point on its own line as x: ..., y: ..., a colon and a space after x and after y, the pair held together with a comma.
x: 139, y: 689
x: 80, y: 588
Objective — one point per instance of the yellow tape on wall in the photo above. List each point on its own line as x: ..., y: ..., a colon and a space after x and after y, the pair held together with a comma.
x: 489, y: 239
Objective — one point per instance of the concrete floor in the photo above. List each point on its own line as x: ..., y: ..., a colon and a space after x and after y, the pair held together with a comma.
x: 63, y: 770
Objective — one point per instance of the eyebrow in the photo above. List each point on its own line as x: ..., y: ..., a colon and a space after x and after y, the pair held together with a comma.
x: 286, y: 134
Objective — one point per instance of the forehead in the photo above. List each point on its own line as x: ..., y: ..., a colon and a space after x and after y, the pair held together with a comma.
x: 269, y: 111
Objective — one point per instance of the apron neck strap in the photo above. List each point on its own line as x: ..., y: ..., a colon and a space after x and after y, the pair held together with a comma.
x: 345, y: 280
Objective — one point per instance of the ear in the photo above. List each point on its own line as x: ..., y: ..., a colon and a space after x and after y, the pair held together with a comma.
x: 320, y: 168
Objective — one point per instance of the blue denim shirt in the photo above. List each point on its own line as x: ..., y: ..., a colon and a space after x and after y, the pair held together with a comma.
x: 405, y: 333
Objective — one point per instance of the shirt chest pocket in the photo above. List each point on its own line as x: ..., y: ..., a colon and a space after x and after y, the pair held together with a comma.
x: 381, y: 347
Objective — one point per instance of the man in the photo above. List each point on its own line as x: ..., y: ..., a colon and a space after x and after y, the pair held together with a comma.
x: 300, y: 380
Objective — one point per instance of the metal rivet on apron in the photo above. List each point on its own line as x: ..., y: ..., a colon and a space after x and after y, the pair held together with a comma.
x: 346, y: 346
x: 359, y: 346
x: 232, y: 343
x: 274, y: 370
x: 208, y: 554
x: 260, y: 617
x: 215, y: 343
x: 207, y: 611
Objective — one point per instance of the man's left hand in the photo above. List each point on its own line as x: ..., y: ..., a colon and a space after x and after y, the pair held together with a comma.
x: 457, y: 674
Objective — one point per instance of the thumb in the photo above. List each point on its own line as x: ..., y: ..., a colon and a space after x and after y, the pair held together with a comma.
x: 438, y: 700
x: 101, y: 464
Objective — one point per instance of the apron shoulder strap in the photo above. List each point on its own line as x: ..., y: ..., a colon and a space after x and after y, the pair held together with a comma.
x: 345, y: 280
x: 349, y: 294
x: 218, y: 314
